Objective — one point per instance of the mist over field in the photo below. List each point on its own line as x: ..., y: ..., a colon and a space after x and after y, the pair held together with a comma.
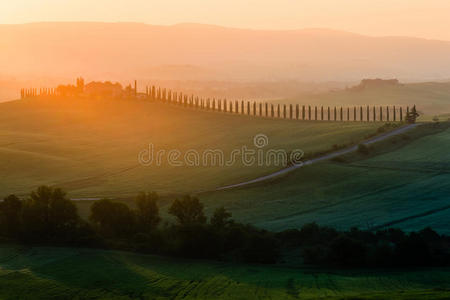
x: 205, y: 56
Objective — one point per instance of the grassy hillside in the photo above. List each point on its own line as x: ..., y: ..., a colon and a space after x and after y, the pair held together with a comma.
x: 64, y: 273
x: 90, y: 148
x: 405, y: 187
x: 431, y: 98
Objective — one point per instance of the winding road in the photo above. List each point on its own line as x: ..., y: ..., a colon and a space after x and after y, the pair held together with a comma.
x: 321, y: 158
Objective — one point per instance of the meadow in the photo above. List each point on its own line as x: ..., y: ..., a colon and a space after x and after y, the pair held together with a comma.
x: 90, y: 147
x: 67, y: 273
x: 404, y: 183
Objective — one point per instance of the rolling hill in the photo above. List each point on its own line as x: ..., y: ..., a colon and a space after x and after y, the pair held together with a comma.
x: 404, y: 186
x: 90, y: 147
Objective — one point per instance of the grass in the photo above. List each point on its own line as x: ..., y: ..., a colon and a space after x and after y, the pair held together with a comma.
x: 90, y: 147
x: 404, y: 182
x: 66, y: 273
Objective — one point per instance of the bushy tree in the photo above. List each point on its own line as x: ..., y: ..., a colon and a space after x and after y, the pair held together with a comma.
x: 10, y: 210
x: 112, y: 218
x: 221, y: 218
x: 188, y: 210
x: 48, y: 213
x: 147, y: 211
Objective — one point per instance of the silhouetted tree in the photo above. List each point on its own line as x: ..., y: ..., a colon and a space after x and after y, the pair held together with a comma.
x: 112, y: 218
x: 147, y: 211
x: 188, y: 210
x: 412, y: 115
x: 221, y: 218
x: 48, y: 213
x: 10, y: 210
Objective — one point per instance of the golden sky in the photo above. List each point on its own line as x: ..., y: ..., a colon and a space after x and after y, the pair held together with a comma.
x: 419, y: 18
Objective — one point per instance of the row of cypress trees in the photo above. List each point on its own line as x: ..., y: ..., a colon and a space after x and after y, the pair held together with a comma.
x: 34, y: 92
x: 264, y: 109
x: 284, y: 111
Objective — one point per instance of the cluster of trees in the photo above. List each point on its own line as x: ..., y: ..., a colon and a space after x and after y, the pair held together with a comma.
x: 357, y: 248
x: 48, y: 216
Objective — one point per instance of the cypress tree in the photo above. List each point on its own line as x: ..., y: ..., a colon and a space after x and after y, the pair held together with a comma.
x: 395, y: 114
x: 342, y: 114
x: 242, y: 107
x: 381, y: 113
x: 309, y: 112
x: 335, y: 113
x: 278, y: 111
x: 354, y: 113
x: 329, y: 115
x: 290, y: 111
x: 401, y: 114
x: 303, y: 112
x: 260, y: 109
x: 267, y: 109
x: 321, y: 113
x: 297, y: 113
x: 248, y: 107
x: 315, y: 113
x: 361, y: 114
x: 284, y: 111
x: 225, y: 105
x: 387, y: 113
x: 412, y: 116
x: 368, y: 113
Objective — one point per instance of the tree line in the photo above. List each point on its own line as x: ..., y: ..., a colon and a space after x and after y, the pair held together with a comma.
x: 269, y: 110
x: 48, y: 217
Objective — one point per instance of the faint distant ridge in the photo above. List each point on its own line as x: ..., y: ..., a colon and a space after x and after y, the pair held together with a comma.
x: 375, y: 83
x: 154, y: 52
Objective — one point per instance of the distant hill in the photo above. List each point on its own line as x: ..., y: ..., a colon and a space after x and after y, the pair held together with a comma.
x: 432, y: 98
x: 203, y: 52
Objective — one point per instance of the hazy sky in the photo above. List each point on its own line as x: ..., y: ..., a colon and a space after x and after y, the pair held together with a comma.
x: 420, y: 18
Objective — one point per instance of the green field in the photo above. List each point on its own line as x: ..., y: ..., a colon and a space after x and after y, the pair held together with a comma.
x: 407, y: 186
x: 66, y: 273
x: 431, y: 98
x: 90, y: 147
